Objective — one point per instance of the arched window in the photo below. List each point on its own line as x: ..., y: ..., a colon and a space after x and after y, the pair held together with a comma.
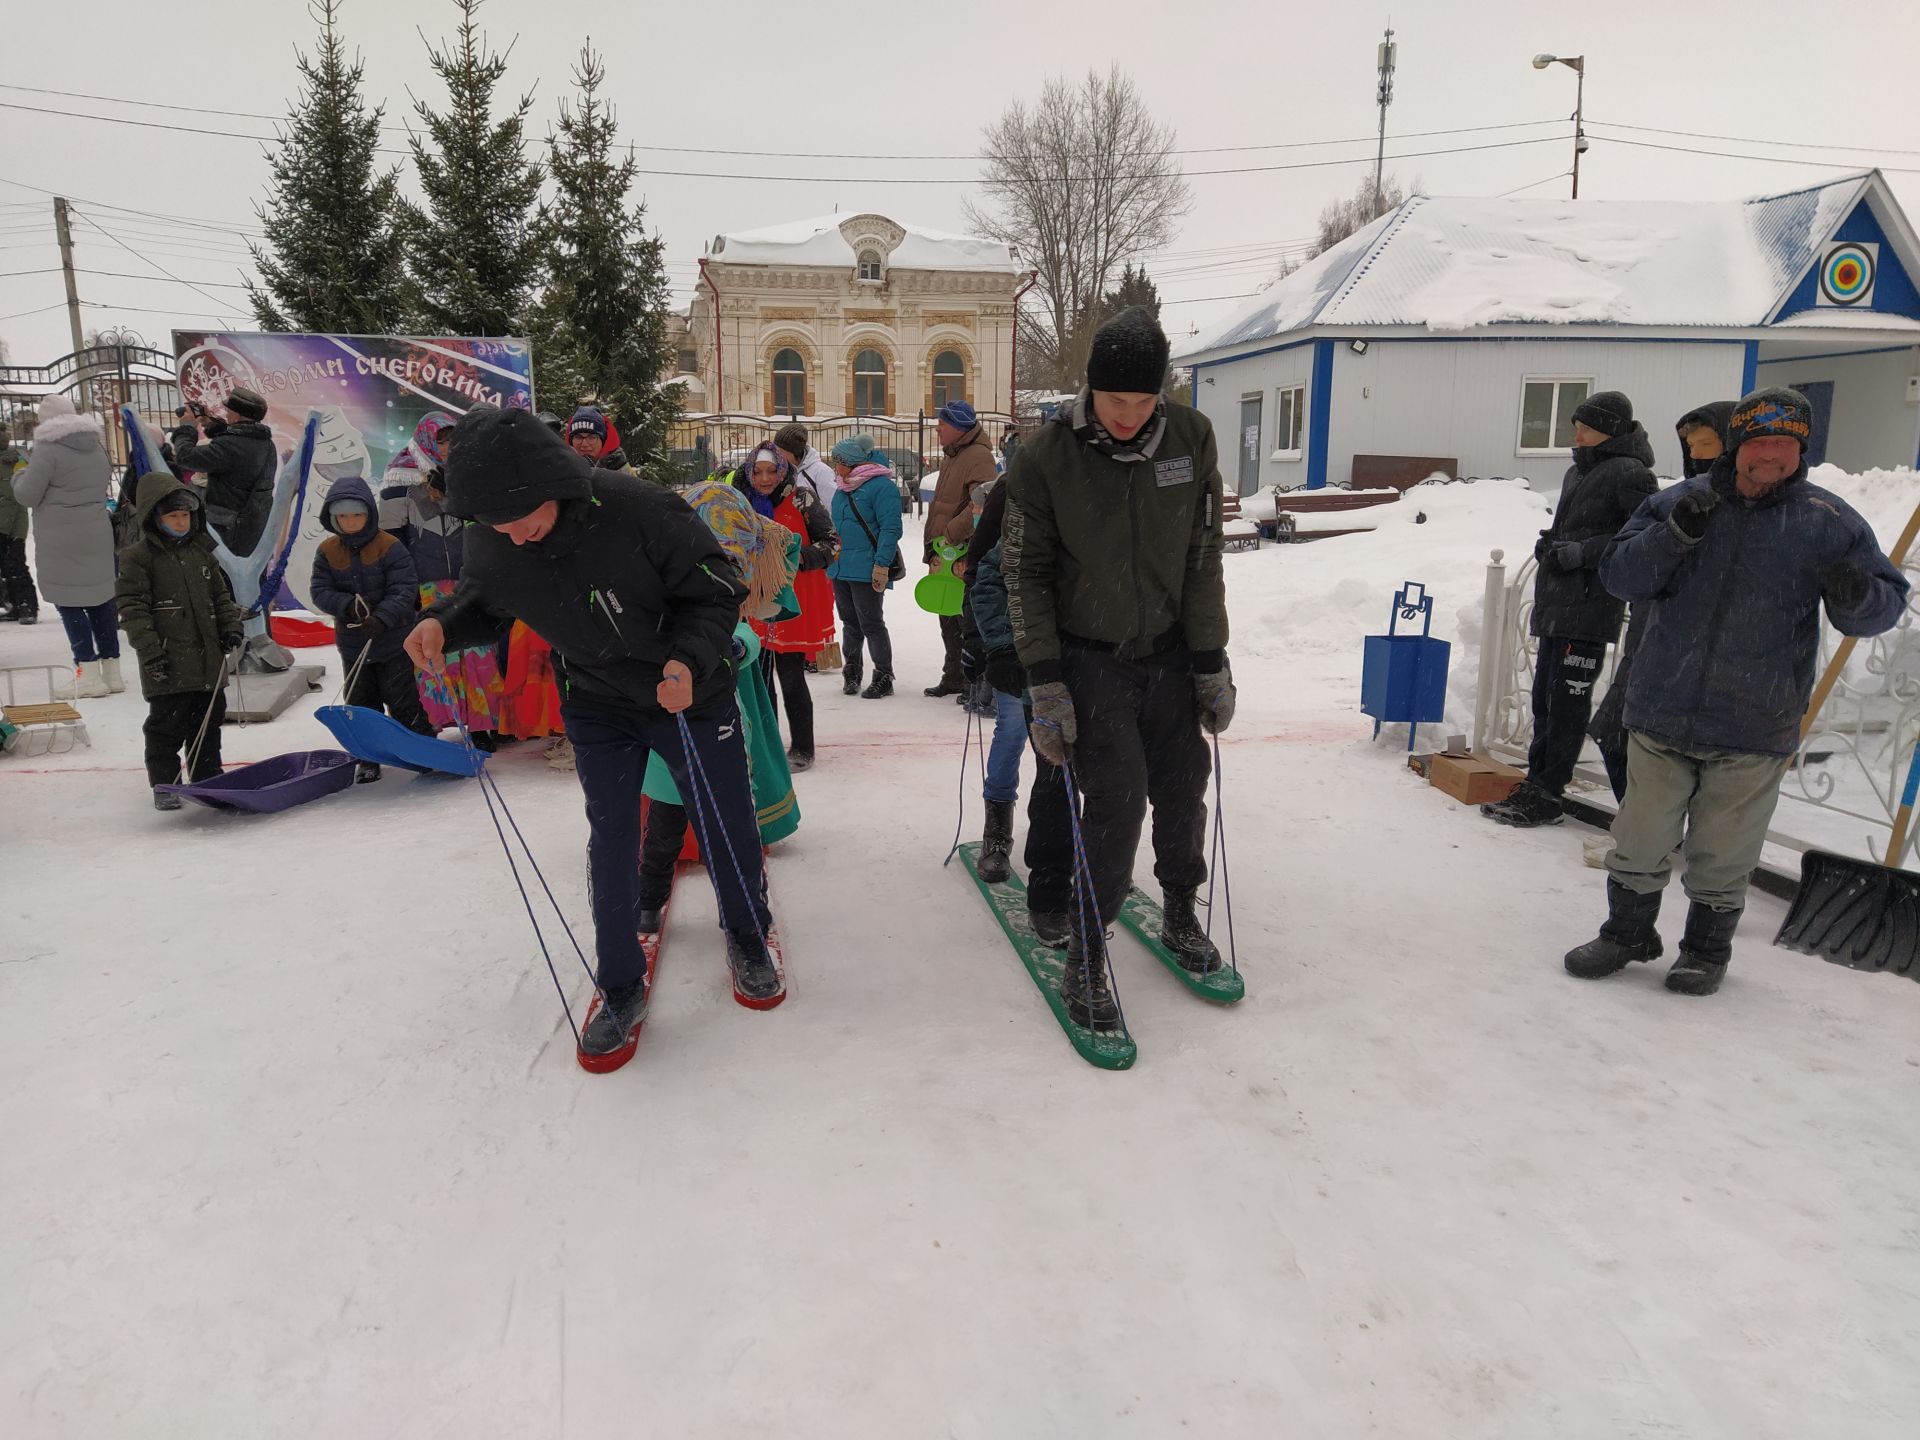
x: 869, y: 264
x: 949, y: 378
x: 869, y: 383
x: 789, y: 383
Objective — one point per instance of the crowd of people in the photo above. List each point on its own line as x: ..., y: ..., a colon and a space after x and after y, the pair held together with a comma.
x: 1093, y: 633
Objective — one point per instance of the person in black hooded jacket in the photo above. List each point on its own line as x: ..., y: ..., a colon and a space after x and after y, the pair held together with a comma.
x: 1703, y: 440
x: 639, y: 603
x: 1574, y: 618
x: 240, y: 464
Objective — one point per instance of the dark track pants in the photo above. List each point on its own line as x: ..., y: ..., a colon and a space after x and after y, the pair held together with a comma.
x: 1564, y: 674
x: 952, y: 637
x: 610, y: 749
x: 791, y: 669
x: 16, y: 580
x: 1049, y: 840
x: 389, y: 685
x: 1139, y: 742
x: 172, y: 722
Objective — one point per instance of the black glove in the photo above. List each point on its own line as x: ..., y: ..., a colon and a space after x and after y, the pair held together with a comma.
x: 232, y: 641
x: 1567, y: 555
x: 1689, y: 516
x: 373, y: 627
x: 1542, y: 547
x: 1846, y: 587
x: 1005, y: 672
x: 973, y: 665
x: 157, y: 671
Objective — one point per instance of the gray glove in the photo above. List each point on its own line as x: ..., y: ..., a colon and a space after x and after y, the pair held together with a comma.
x: 1567, y: 554
x: 1053, y: 728
x: 1213, y: 696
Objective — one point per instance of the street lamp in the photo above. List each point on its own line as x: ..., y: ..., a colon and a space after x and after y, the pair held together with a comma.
x: 1577, y: 64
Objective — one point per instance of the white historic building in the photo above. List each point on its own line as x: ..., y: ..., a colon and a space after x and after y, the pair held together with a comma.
x: 854, y: 315
x: 1459, y: 334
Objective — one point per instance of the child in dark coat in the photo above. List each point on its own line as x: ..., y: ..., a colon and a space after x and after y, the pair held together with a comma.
x: 182, y: 622
x: 363, y: 576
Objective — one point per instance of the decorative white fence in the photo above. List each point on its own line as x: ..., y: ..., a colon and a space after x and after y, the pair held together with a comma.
x: 1844, y: 785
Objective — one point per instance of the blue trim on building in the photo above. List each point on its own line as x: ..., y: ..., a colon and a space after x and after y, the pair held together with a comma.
x: 1842, y: 354
x: 1320, y: 414
x: 1750, y: 368
x: 1894, y: 292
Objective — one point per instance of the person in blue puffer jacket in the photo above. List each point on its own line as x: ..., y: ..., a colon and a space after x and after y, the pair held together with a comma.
x: 1734, y: 567
x: 364, y: 577
x: 866, y: 513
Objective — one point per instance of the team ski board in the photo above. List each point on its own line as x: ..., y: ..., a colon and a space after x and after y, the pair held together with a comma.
x: 1140, y: 914
x: 1110, y: 1050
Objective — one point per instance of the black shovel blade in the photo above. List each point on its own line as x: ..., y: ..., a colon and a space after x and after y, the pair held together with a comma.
x: 1855, y: 913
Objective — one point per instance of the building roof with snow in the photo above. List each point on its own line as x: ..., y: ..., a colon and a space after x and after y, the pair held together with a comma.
x: 1458, y: 265
x: 836, y: 241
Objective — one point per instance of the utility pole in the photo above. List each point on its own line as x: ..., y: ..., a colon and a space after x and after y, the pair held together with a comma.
x: 1579, y: 108
x: 1387, y: 55
x: 65, y: 232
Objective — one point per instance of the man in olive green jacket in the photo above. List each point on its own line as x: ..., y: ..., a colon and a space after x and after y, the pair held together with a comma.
x: 1118, y: 604
x: 18, y: 599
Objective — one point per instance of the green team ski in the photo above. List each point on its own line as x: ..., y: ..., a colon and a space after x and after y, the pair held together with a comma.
x: 1142, y: 916
x: 1110, y: 1050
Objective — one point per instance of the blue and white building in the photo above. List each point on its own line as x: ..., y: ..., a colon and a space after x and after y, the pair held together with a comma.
x: 1467, y: 330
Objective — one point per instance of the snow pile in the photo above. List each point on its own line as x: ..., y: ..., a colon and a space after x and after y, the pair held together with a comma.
x: 1323, y: 599
x: 1885, y: 497
x: 824, y: 241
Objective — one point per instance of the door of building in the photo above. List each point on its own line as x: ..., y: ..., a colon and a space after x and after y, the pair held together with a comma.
x: 1249, y: 444
x: 1819, y: 394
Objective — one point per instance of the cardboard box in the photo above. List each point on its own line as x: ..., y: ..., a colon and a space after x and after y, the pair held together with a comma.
x: 1471, y: 780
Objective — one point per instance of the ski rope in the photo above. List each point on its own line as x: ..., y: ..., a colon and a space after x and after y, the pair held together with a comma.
x: 1086, y: 902
x: 490, y: 792
x: 967, y: 743
x: 1217, y: 861
x: 697, y: 772
x: 192, y: 757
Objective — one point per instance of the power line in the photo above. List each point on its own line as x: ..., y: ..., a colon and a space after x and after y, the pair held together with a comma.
x: 1763, y: 159
x: 147, y: 259
x: 22, y: 314
x: 224, y: 226
x: 1557, y: 175
x: 223, y: 314
x: 129, y: 275
x: 1752, y: 140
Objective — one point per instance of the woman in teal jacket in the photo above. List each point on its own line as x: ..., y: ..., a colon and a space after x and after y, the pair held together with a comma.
x: 866, y: 512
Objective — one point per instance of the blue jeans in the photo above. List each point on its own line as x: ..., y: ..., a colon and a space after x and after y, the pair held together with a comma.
x: 1009, y: 743
x: 610, y: 749
x: 93, y: 631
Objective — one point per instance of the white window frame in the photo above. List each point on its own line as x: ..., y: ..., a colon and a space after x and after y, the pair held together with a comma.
x: 1297, y: 389
x: 879, y: 266
x: 1524, y: 452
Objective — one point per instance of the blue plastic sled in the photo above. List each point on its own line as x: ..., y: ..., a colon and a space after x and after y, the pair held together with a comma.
x: 270, y: 786
x: 382, y: 740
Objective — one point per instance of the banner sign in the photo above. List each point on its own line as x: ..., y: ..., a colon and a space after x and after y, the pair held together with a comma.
x: 372, y: 392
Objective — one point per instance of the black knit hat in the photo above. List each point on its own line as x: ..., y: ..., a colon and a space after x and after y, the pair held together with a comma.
x: 1774, y: 411
x: 247, y: 404
x: 1609, y: 412
x: 1129, y: 354
x: 505, y: 465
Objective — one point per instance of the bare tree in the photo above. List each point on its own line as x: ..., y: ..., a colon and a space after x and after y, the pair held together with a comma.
x: 1080, y: 183
x: 1342, y: 218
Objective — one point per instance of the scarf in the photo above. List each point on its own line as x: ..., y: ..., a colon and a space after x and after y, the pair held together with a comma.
x: 756, y: 546
x: 859, y: 476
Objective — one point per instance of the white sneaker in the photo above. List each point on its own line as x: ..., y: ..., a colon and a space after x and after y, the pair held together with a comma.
x: 560, y: 755
x: 88, y: 683
x: 110, y: 671
x: 1597, y: 848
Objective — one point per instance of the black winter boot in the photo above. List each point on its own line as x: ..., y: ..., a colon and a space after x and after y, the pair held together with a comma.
x: 754, y: 975
x: 1183, y: 935
x: 996, y: 842
x: 649, y: 921
x: 947, y: 686
x: 798, y: 759
x: 1050, y: 927
x: 879, y: 687
x: 850, y: 678
x: 365, y: 773
x: 1705, y: 949
x: 622, y: 1007
x: 1526, y: 807
x: 1626, y: 935
x: 165, y: 800
x: 1084, y: 987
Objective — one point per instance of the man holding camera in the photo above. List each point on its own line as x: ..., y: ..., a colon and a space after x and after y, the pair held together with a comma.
x: 239, y: 462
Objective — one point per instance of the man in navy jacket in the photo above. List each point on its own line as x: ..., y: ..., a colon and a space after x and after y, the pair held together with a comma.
x: 1733, y: 566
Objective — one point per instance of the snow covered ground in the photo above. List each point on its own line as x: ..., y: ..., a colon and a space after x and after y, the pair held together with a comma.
x: 294, y: 1143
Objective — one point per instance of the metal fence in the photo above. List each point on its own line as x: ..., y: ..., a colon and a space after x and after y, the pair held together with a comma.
x: 99, y: 379
x: 702, y: 445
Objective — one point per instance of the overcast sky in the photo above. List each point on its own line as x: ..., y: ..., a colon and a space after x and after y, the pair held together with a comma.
x: 867, y: 78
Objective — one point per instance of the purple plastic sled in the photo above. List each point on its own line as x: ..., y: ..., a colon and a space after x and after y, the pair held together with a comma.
x: 269, y: 786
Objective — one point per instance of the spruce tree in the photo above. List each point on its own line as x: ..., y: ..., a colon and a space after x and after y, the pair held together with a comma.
x: 600, y: 329
x: 331, y: 261
x: 473, y: 254
x: 1135, y: 288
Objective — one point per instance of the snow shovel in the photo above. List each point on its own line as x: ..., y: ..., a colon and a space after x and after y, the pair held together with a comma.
x: 1856, y: 913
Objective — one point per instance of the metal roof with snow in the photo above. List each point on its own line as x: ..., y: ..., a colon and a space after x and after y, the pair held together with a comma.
x: 831, y: 240
x: 1451, y: 264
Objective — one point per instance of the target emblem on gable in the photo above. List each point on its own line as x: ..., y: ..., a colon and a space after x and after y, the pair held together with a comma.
x: 1847, y: 271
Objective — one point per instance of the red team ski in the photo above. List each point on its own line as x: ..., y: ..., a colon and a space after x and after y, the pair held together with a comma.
x: 650, y: 946
x: 778, y: 954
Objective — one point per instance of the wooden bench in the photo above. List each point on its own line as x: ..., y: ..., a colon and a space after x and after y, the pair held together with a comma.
x: 1236, y: 531
x: 1301, y: 515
